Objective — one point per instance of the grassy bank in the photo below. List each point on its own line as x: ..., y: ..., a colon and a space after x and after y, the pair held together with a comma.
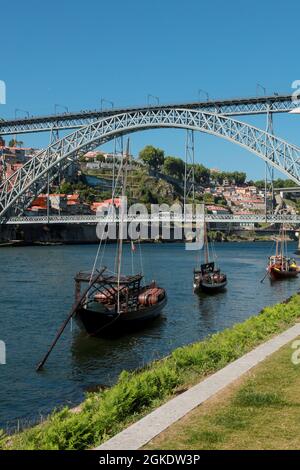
x: 260, y: 411
x: 105, y: 413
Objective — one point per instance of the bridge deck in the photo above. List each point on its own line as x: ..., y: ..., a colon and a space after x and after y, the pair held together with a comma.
x: 229, y: 107
x: 94, y: 219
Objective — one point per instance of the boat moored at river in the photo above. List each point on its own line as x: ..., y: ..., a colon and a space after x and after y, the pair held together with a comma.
x: 280, y: 266
x: 115, y: 304
x: 208, y: 278
x: 113, y: 300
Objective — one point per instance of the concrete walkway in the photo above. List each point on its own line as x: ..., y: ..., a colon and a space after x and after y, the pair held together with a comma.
x: 141, y: 432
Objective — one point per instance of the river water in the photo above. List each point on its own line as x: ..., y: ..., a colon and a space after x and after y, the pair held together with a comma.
x: 37, y: 292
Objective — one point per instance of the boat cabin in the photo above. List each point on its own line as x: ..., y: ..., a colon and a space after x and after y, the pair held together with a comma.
x: 110, y: 291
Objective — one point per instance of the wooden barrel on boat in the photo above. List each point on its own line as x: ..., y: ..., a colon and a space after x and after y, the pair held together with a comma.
x: 151, y: 296
x: 109, y: 294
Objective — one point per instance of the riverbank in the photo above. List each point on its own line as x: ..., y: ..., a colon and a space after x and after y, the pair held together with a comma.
x: 105, y: 413
x: 259, y: 411
x: 75, y: 234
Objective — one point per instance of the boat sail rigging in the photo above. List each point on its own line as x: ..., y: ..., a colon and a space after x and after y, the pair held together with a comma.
x: 280, y: 266
x: 208, y: 278
x: 118, y: 300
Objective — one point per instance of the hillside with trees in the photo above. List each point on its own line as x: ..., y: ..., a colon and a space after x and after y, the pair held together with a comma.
x: 159, y: 178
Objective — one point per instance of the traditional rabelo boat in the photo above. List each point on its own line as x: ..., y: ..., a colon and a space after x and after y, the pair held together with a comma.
x: 208, y: 278
x: 115, y: 301
x: 112, y: 301
x: 280, y: 266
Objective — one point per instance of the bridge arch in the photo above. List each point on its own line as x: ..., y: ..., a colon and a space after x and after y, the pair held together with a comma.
x: 17, y: 191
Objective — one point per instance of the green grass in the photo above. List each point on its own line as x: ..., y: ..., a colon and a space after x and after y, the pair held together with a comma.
x: 249, y: 397
x: 105, y: 413
x: 261, y: 411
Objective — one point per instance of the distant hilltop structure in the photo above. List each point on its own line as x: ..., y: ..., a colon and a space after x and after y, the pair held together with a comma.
x: 12, y: 158
x: 104, y: 156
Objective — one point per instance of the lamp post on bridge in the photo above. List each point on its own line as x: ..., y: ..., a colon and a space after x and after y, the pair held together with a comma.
x: 204, y: 92
x: 60, y: 106
x: 156, y: 98
x: 18, y: 110
x: 103, y: 100
x: 259, y: 86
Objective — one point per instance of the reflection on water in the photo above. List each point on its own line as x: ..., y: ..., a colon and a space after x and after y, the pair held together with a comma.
x: 37, y: 292
x: 92, y: 353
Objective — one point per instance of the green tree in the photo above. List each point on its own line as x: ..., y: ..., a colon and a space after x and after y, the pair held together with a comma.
x: 208, y: 198
x: 281, y: 183
x: 239, y: 177
x: 16, y: 143
x: 66, y: 188
x: 12, y: 143
x: 220, y: 200
x: 236, y: 177
x: 202, y: 174
x: 147, y: 197
x: 260, y: 184
x: 173, y: 167
x: 278, y: 183
x: 90, y: 198
x: 152, y: 156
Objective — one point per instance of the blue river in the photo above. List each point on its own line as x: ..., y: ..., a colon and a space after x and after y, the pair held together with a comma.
x: 37, y: 291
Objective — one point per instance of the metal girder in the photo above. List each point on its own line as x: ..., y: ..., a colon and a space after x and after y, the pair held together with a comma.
x: 147, y: 219
x: 19, y: 188
x: 189, y: 167
x: 229, y: 107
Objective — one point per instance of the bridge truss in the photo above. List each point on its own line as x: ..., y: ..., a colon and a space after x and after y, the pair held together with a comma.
x: 31, y: 179
x: 228, y: 107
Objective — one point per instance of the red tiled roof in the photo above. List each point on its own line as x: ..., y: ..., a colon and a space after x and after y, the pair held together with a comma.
x: 106, y: 203
x: 73, y: 197
x: 37, y: 208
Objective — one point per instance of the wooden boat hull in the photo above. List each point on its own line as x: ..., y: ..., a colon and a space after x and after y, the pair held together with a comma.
x: 213, y: 288
x: 209, y: 288
x: 276, y: 274
x: 102, y: 323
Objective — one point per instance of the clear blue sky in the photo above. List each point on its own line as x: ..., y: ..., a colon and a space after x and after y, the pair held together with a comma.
x: 73, y: 53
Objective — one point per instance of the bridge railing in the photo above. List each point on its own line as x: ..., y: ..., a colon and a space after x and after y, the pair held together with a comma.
x: 157, y: 218
x: 229, y: 107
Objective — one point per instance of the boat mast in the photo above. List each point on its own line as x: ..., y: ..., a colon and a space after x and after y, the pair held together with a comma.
x: 284, y: 247
x: 205, y: 240
x: 121, y: 221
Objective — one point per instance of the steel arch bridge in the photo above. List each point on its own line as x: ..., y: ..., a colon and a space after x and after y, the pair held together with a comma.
x: 18, y: 191
x: 230, y: 107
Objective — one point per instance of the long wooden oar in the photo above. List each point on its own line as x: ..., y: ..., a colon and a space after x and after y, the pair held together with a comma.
x: 262, y: 280
x: 72, y: 312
